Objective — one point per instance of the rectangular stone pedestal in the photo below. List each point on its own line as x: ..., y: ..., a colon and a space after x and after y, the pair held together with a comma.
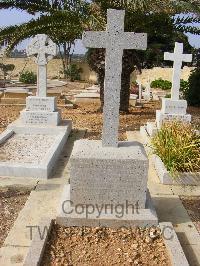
x: 40, y: 118
x: 174, y: 106
x: 104, y: 175
x: 46, y: 104
x: 41, y: 111
x: 108, y: 187
x: 162, y: 117
x: 101, y: 216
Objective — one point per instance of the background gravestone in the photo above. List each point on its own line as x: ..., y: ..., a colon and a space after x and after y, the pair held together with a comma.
x: 174, y: 108
x: 41, y: 110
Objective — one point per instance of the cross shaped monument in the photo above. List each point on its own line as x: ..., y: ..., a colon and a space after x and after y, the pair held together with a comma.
x: 115, y: 40
x: 42, y: 49
x: 178, y: 57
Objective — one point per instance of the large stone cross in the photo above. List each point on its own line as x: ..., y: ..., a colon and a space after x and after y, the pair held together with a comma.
x: 115, y: 40
x: 178, y: 57
x: 42, y: 49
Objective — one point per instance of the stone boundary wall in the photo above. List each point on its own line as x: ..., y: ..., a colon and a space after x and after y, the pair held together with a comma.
x: 55, y: 65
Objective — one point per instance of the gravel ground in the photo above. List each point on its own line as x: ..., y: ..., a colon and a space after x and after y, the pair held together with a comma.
x: 11, y: 202
x: 88, y: 116
x: 24, y: 148
x: 192, y: 205
x: 79, y: 246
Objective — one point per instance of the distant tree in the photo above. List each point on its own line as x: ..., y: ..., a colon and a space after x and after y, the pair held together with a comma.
x: 6, y: 68
x: 193, y: 90
x: 63, y: 21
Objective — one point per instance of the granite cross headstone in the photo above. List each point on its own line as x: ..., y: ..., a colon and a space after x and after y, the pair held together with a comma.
x: 178, y: 57
x: 114, y: 40
x: 42, y: 48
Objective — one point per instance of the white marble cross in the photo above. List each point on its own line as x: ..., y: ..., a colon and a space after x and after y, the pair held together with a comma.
x: 115, y: 40
x: 42, y: 49
x: 178, y: 57
x: 140, y: 90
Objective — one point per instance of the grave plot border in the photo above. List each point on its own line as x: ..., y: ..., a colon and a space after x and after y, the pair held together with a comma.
x: 37, y: 248
x: 45, y: 167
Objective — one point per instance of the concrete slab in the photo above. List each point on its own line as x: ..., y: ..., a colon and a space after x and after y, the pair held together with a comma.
x: 173, y: 246
x: 38, y: 243
x: 12, y: 255
x: 12, y: 181
x: 178, y: 216
x: 90, y: 215
x: 43, y: 169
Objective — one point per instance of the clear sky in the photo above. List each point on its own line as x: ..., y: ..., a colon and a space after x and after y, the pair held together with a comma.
x: 10, y: 17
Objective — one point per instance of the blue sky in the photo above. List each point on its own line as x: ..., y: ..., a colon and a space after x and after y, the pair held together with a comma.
x: 10, y: 17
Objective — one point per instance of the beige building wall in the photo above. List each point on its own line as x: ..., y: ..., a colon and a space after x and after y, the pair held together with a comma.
x: 164, y: 73
x: 55, y: 66
x: 53, y: 69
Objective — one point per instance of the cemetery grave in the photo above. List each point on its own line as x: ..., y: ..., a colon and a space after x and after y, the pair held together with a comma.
x: 174, y: 108
x: 104, y: 246
x: 41, y: 120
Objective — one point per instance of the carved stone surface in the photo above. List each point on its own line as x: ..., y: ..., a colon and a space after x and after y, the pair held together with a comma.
x: 47, y: 104
x: 40, y: 118
x: 115, y: 40
x: 42, y: 49
x: 161, y: 117
x: 174, y: 106
x: 104, y: 175
x: 178, y: 57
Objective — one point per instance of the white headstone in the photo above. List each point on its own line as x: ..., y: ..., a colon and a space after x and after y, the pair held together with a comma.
x: 115, y: 40
x: 140, y: 90
x: 178, y: 57
x: 42, y: 49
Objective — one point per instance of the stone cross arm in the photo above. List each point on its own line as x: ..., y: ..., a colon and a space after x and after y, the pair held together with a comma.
x: 178, y: 54
x: 43, y: 48
x: 129, y: 40
x: 178, y: 57
x: 185, y: 57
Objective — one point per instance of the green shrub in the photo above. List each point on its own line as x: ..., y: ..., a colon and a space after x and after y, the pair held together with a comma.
x: 168, y: 95
x: 28, y: 77
x: 73, y: 72
x: 178, y: 146
x: 184, y: 86
x: 161, y: 84
x: 192, y: 93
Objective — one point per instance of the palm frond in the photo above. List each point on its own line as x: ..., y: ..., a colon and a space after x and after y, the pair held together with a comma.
x: 27, y: 5
x: 60, y: 27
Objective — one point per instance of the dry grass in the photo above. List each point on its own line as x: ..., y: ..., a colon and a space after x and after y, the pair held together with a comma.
x: 178, y: 146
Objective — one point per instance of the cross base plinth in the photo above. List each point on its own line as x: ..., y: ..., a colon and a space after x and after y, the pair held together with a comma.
x: 69, y: 215
x: 170, y: 106
x: 40, y: 118
x: 106, y: 179
x: 162, y: 117
x: 41, y: 111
